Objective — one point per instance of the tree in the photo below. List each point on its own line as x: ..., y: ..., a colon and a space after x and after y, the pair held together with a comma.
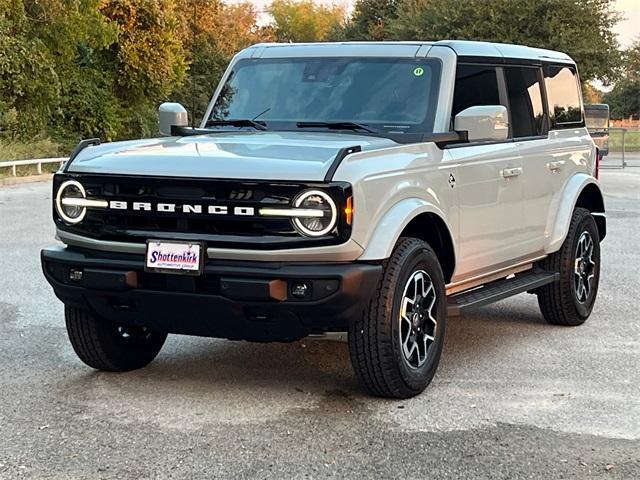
x: 624, y: 99
x: 29, y: 86
x: 631, y: 63
x: 590, y: 94
x: 581, y: 28
x: 213, y: 32
x: 371, y: 19
x: 305, y: 21
x: 148, y: 58
x: 49, y: 80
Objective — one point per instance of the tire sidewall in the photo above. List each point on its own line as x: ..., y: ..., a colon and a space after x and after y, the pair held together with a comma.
x: 587, y: 224
x: 419, y: 258
x: 98, y: 343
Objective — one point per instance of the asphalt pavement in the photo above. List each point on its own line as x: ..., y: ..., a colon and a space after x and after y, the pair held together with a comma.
x: 513, y: 398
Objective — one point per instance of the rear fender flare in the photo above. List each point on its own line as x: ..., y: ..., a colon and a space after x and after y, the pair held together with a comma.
x: 563, y: 206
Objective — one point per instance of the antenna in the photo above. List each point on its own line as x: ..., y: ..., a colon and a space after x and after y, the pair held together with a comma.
x: 193, y: 79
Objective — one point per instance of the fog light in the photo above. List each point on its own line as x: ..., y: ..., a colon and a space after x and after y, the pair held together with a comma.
x: 300, y: 290
x: 75, y: 274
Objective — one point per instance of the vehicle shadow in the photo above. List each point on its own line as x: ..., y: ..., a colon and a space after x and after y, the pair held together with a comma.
x: 487, y: 333
x: 207, y: 372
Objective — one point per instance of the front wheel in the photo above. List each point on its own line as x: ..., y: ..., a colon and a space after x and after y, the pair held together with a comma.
x: 395, y: 345
x: 109, y: 346
x: 569, y: 301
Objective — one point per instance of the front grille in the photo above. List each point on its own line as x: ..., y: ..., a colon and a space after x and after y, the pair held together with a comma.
x: 230, y: 231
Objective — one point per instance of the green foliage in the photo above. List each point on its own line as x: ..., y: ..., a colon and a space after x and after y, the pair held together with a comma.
x: 33, y: 148
x: 29, y: 85
x: 213, y: 33
x: 148, y: 59
x: 148, y: 53
x: 631, y: 62
x: 582, y: 28
x: 304, y: 20
x: 371, y: 19
x: 624, y: 99
x: 88, y: 107
x: 206, y: 67
x: 50, y: 77
x: 82, y: 68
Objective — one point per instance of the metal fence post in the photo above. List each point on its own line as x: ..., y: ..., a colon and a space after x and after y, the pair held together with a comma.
x: 624, y: 131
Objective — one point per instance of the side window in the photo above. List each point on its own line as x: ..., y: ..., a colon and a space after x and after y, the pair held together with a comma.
x: 563, y: 96
x: 475, y: 85
x: 525, y: 101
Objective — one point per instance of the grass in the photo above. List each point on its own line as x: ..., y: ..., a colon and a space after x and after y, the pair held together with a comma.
x: 631, y: 140
x: 39, y: 148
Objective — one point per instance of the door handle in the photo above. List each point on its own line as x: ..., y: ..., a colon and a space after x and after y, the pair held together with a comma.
x: 555, y: 166
x: 511, y: 172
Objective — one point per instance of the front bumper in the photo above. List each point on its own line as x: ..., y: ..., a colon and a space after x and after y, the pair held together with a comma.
x: 232, y: 299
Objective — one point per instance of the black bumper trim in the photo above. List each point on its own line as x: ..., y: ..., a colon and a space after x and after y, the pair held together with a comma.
x: 202, y: 306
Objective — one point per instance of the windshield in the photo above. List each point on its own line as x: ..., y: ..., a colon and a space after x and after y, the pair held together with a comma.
x: 395, y: 95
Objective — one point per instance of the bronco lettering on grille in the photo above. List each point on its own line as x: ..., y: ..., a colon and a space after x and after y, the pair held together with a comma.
x: 185, y: 208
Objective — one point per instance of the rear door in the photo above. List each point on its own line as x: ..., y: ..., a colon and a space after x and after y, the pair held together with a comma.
x: 544, y: 136
x: 489, y: 184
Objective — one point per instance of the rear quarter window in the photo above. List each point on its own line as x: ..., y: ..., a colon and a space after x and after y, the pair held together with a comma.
x: 563, y: 95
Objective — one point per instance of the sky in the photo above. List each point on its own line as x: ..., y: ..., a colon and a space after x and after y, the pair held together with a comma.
x: 627, y: 30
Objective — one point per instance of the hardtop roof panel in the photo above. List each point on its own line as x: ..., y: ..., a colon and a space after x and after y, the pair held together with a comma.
x: 401, y: 49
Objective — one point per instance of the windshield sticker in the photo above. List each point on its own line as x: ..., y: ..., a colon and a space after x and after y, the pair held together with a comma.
x: 418, y: 71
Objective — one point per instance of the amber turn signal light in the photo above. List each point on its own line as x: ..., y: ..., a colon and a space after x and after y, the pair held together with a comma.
x: 348, y: 211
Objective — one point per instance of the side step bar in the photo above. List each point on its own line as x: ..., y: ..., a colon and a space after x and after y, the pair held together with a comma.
x: 499, y: 290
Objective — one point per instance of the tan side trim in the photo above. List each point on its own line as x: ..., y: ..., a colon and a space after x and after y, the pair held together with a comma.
x: 491, y: 276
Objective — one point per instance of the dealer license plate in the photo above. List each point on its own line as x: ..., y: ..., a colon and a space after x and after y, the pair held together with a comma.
x: 174, y: 257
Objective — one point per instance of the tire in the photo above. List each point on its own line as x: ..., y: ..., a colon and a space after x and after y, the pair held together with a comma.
x: 377, y: 339
x: 564, y: 302
x: 104, y: 345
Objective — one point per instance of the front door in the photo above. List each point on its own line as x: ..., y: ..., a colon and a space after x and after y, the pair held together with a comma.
x: 489, y: 182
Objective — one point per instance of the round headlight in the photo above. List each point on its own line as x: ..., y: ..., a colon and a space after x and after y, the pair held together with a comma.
x: 69, y: 210
x: 319, y: 225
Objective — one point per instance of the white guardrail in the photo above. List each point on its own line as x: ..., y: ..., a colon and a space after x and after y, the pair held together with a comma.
x: 38, y: 162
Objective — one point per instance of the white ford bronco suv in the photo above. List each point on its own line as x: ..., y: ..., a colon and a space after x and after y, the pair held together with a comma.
x: 368, y: 188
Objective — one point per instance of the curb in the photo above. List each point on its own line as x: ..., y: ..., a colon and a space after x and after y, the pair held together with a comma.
x: 7, y: 181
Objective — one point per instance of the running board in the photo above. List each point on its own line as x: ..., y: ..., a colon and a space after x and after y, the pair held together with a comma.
x: 499, y: 290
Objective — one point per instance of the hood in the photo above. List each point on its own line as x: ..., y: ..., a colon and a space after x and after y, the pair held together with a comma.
x: 296, y: 156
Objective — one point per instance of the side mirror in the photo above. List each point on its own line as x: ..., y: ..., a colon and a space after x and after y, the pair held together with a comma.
x: 483, y: 122
x: 172, y: 114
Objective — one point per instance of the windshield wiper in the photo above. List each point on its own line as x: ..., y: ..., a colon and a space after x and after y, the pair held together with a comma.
x: 337, y: 126
x: 239, y: 122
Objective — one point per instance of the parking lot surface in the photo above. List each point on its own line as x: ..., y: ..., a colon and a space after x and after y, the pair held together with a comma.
x: 513, y: 398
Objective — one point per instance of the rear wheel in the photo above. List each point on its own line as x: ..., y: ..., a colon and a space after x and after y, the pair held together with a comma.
x: 109, y: 346
x: 395, y: 345
x: 570, y: 300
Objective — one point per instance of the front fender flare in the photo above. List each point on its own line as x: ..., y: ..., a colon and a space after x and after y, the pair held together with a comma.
x: 394, y: 221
